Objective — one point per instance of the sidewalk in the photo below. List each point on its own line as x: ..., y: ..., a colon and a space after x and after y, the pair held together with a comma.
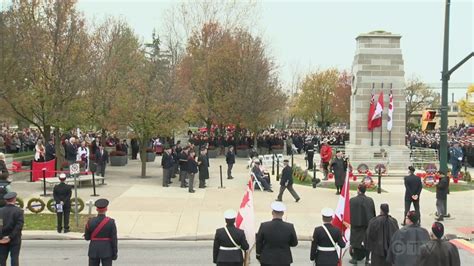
x: 145, y: 210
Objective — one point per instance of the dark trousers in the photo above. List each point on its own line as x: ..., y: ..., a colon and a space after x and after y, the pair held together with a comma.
x: 64, y: 215
x: 14, y: 249
x: 378, y: 260
x: 182, y: 177
x: 441, y: 207
x: 325, y: 169
x: 455, y: 169
x: 167, y: 173
x: 310, y: 160
x: 101, y: 169
x: 416, y: 204
x: 229, y: 170
x: 96, y: 262
x: 292, y: 192
x: 191, y: 181
x: 134, y: 153
x: 202, y: 183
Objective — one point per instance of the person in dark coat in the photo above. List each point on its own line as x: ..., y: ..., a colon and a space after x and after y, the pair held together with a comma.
x: 274, y: 239
x: 442, y: 190
x: 4, y: 174
x: 229, y: 242
x: 62, y: 196
x: 50, y: 153
x: 167, y: 163
x: 406, y: 242
x: 413, y: 187
x: 259, y: 175
x: 339, y: 168
x: 230, y: 160
x: 101, y: 159
x: 192, y: 168
x: 438, y: 251
x: 102, y: 233
x: 362, y: 211
x: 183, y: 166
x: 10, y: 238
x: 135, y: 148
x: 379, y: 235
x: 71, y: 151
x: 286, y: 182
x: 327, y: 241
x: 203, y: 163
x: 310, y: 154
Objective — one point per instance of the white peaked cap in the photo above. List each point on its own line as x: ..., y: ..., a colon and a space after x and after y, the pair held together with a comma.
x: 230, y: 214
x: 278, y: 206
x: 327, y: 212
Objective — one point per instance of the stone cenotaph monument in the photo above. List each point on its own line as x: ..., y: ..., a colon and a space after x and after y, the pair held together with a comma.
x: 378, y: 64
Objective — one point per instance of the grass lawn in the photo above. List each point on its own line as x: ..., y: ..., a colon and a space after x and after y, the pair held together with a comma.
x: 42, y: 221
x: 23, y: 154
x: 352, y: 185
x: 455, y: 187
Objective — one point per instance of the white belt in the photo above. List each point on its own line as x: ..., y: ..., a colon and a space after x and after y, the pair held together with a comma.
x: 229, y: 248
x: 326, y: 248
x: 310, y: 150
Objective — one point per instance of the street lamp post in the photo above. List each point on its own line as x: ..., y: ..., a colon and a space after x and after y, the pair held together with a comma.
x: 445, y: 75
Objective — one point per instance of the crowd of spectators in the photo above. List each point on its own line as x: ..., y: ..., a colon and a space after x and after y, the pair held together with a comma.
x: 461, y: 134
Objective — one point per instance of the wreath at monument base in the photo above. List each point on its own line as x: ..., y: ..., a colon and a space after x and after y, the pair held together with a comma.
x: 381, y: 167
x: 368, y: 181
x: 35, y: 205
x: 429, y: 180
x: 362, y: 168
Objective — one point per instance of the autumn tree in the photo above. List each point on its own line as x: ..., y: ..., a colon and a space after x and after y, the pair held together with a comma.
x: 466, y: 105
x: 154, y: 103
x: 116, y: 54
x: 47, y: 77
x: 419, y: 96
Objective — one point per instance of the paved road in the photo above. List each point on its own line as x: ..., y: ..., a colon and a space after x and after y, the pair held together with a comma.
x: 163, y: 253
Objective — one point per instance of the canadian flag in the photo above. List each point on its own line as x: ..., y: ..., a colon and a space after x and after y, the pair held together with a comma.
x: 371, y: 109
x: 376, y: 120
x: 342, y: 214
x: 246, y: 216
x: 390, y: 111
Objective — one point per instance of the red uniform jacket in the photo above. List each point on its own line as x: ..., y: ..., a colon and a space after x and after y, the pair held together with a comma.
x: 326, y: 153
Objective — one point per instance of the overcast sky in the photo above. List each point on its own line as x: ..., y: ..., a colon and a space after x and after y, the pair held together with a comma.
x: 304, y: 35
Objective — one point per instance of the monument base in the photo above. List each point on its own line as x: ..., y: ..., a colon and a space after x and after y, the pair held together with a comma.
x: 395, y: 158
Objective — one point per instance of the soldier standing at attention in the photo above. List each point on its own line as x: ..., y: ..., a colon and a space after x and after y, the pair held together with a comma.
x: 102, y: 233
x: 62, y: 196
x: 12, y: 220
x: 274, y: 239
x: 327, y: 241
x: 229, y: 242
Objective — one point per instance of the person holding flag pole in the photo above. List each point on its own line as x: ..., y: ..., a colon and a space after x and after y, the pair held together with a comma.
x: 342, y: 215
x: 390, y: 116
x: 246, y: 219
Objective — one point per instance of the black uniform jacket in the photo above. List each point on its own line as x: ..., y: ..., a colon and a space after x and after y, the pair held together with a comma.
x: 221, y: 239
x: 62, y: 192
x: 320, y: 238
x: 71, y: 152
x: 102, y: 248
x: 286, y: 176
x: 413, y: 187
x: 101, y: 158
x: 13, y: 221
x: 230, y: 157
x: 274, y: 239
x: 50, y: 152
x: 167, y: 160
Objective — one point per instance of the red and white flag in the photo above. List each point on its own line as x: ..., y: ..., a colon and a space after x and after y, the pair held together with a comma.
x: 342, y: 214
x: 377, y: 115
x: 390, y: 111
x: 371, y: 109
x: 246, y: 216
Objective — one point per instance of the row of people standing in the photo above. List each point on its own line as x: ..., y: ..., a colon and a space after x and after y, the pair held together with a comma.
x: 184, y: 162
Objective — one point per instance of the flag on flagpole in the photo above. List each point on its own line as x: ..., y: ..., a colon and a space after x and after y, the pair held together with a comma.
x: 342, y: 214
x: 377, y: 115
x: 246, y: 216
x: 371, y: 109
x: 390, y: 111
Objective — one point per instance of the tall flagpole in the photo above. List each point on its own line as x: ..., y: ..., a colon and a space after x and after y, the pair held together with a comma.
x: 391, y: 118
x: 381, y: 119
x: 372, y: 102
